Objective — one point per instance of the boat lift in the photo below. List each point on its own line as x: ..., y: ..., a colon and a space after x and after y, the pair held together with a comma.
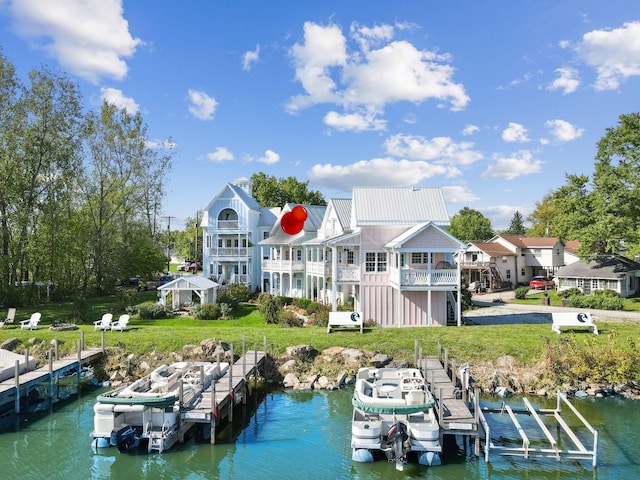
x: 553, y: 450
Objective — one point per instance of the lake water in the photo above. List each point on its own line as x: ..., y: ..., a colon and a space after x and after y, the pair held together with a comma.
x: 293, y: 435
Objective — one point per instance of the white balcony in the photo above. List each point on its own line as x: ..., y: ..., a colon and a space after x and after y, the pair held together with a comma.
x: 429, y: 278
x: 282, y: 266
x: 229, y: 252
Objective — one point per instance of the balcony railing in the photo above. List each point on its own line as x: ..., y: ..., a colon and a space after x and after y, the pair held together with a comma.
x: 349, y: 273
x: 429, y: 278
x: 282, y: 265
x: 319, y: 268
x: 227, y: 224
x: 229, y: 252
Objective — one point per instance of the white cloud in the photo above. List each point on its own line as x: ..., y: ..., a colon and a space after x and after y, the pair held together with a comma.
x: 90, y: 38
x: 370, y: 36
x: 375, y: 172
x: 441, y: 150
x: 250, y: 57
x: 369, y: 78
x: 168, y: 144
x: 615, y: 54
x: 355, y: 122
x: 458, y: 194
x: 117, y: 98
x: 270, y: 157
x: 515, y: 132
x: 513, y: 166
x: 568, y: 80
x: 563, y: 131
x: 219, y: 155
x: 202, y: 105
x: 470, y: 130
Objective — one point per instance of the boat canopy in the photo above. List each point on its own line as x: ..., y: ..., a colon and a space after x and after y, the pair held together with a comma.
x: 390, y: 409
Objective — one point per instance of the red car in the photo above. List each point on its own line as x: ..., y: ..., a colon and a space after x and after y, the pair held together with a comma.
x: 194, y: 267
x: 542, y: 283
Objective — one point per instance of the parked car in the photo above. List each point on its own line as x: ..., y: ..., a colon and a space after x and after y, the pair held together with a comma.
x: 542, y: 283
x: 164, y: 279
x: 194, y: 267
x: 184, y: 267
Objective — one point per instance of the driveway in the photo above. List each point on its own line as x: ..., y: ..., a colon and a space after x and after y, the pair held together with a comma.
x: 491, y: 311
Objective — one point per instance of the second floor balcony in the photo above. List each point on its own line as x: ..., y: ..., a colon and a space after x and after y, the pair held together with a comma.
x: 269, y: 265
x: 410, y: 277
x: 228, y: 252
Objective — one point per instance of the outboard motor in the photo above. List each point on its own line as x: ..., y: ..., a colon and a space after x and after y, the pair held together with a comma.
x: 397, y: 436
x: 125, y: 438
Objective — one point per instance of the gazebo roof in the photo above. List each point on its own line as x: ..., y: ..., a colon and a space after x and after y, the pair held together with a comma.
x: 189, y: 282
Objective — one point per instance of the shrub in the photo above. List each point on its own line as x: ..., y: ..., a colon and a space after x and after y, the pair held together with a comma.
x: 208, y: 311
x: 269, y: 307
x: 239, y: 291
x: 225, y: 310
x: 597, y: 302
x: 570, y: 292
x: 150, y: 310
x: 302, y: 302
x: 228, y: 297
x: 81, y: 310
x: 521, y: 292
x: 288, y: 318
x: 320, y: 318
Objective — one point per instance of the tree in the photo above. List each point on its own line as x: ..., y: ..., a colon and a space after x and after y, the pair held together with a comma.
x: 543, y: 218
x: 516, y: 227
x: 470, y: 225
x: 271, y: 192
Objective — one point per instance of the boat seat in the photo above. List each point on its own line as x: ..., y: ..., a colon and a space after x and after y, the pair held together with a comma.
x: 366, y: 388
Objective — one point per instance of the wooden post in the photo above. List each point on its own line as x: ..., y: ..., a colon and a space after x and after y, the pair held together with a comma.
x: 255, y: 366
x: 81, y: 340
x: 264, y: 341
x: 439, y: 350
x: 476, y: 414
x: 231, y: 392
x: 55, y: 348
x: 454, y: 376
x: 26, y: 359
x: 214, y: 420
x: 181, y: 392
x: 16, y: 376
x: 446, y: 361
x: 102, y: 342
x: 50, y: 373
x: 79, y: 362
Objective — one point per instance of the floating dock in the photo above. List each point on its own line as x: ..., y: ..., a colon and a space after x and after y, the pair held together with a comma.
x: 14, y: 389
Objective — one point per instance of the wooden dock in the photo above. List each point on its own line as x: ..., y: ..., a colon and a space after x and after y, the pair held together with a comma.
x: 14, y: 389
x: 217, y: 402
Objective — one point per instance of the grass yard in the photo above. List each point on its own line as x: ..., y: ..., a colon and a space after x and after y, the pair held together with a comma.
x: 526, y: 343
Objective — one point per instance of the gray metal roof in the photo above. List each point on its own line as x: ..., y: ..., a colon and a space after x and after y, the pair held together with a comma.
x: 342, y: 207
x: 399, y: 241
x: 189, y: 282
x: 399, y: 206
x: 610, y: 266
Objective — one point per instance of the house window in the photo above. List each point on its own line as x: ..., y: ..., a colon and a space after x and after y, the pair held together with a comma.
x: 244, y: 242
x: 421, y: 258
x: 235, y: 242
x: 229, y: 243
x: 235, y: 269
x: 219, y: 269
x: 220, y: 244
x: 376, y: 262
x: 350, y: 257
x: 508, y: 274
x: 244, y: 269
x: 522, y: 272
x: 299, y: 255
x: 265, y: 235
x: 474, y: 257
x: 208, y: 240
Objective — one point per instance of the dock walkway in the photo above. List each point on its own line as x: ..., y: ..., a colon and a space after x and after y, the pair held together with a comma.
x: 217, y: 402
x: 26, y: 381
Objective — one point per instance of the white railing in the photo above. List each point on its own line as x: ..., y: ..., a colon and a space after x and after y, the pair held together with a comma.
x: 429, y: 277
x: 348, y: 274
x: 318, y: 268
x: 227, y: 224
x: 282, y: 265
x: 229, y: 252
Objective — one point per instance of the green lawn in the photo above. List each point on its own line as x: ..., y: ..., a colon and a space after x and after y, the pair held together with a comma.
x: 630, y: 304
x: 526, y: 343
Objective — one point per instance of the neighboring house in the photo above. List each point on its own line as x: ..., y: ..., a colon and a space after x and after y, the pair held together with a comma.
x: 571, y: 252
x: 609, y: 272
x: 233, y: 224
x: 506, y: 261
x: 385, y: 250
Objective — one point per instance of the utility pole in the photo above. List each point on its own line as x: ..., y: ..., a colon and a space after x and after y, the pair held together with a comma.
x: 168, y: 217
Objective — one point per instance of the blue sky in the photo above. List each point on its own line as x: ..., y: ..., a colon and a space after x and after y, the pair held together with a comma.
x: 492, y: 101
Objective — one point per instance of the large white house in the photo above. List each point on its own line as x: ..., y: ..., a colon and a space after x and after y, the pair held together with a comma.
x: 385, y: 250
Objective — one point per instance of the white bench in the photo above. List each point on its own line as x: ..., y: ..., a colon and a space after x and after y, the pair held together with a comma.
x: 573, y: 320
x: 345, y: 319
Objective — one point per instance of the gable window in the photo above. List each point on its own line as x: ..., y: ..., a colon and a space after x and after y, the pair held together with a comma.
x: 350, y: 260
x: 376, y: 262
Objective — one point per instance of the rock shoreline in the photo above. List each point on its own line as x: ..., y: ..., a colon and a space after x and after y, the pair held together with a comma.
x: 303, y: 367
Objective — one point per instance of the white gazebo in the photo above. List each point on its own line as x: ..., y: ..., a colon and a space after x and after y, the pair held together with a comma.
x: 183, y: 288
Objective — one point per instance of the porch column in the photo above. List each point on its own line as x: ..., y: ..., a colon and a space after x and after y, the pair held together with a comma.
x: 429, y: 300
x: 334, y: 276
x: 459, y: 287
